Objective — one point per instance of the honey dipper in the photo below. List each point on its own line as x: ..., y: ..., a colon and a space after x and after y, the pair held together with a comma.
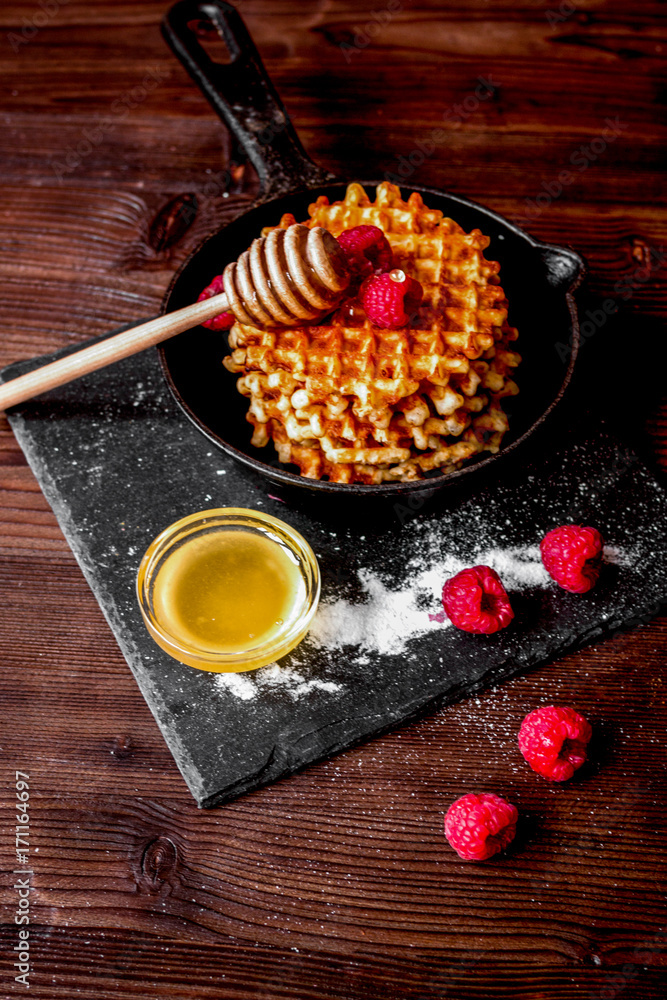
x: 290, y: 277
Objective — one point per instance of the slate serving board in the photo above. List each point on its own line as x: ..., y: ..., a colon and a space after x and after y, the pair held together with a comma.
x: 118, y: 462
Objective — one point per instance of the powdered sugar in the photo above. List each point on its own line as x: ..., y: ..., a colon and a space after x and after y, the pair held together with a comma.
x: 273, y: 677
x: 520, y: 568
x: 618, y: 557
x: 388, y: 619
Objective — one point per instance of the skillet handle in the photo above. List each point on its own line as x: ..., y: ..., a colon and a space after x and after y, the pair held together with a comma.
x: 242, y: 95
x: 565, y: 268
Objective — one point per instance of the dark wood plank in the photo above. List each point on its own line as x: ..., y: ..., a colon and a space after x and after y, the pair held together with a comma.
x: 336, y: 883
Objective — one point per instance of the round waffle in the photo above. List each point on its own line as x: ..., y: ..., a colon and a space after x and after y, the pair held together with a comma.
x: 354, y: 403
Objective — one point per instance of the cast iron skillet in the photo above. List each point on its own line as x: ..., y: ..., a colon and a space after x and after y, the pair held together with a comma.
x: 538, y: 279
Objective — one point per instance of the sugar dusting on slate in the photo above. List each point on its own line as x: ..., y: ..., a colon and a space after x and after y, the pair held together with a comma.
x: 247, y: 686
x: 385, y: 620
x: 388, y: 619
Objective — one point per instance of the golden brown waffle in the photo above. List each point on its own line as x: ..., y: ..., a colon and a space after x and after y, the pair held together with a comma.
x: 351, y: 402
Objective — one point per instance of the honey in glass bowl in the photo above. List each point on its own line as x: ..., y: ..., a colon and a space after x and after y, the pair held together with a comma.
x: 228, y: 589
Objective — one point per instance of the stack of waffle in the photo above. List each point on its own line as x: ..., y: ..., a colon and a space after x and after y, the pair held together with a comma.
x: 354, y: 403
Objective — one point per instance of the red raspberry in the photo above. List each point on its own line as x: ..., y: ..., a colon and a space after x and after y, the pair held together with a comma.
x: 226, y: 319
x: 572, y: 555
x: 390, y: 300
x: 367, y: 250
x: 478, y: 826
x: 476, y: 601
x: 553, y: 740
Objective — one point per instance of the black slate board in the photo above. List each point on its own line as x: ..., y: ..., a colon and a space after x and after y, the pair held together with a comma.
x: 118, y: 462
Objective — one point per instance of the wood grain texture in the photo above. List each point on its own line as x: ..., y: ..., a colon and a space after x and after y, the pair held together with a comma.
x: 336, y: 883
x: 108, y: 351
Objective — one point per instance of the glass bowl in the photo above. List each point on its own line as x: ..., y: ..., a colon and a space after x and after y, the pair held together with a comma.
x: 229, y: 589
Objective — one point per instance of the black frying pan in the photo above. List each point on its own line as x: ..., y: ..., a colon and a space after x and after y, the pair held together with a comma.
x: 538, y: 279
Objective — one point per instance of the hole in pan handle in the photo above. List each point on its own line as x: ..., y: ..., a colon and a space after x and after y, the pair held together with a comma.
x: 242, y: 94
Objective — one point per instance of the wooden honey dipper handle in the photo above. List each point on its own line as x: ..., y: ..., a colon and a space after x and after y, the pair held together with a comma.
x: 313, y: 270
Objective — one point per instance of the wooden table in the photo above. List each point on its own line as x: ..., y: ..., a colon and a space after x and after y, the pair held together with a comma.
x: 336, y: 883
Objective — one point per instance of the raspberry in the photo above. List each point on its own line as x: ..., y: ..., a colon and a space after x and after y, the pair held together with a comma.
x: 572, y: 555
x: 553, y: 740
x: 390, y: 300
x: 476, y: 601
x: 478, y: 826
x: 367, y: 250
x: 226, y: 319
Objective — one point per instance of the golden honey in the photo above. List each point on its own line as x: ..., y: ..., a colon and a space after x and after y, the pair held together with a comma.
x: 229, y: 589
